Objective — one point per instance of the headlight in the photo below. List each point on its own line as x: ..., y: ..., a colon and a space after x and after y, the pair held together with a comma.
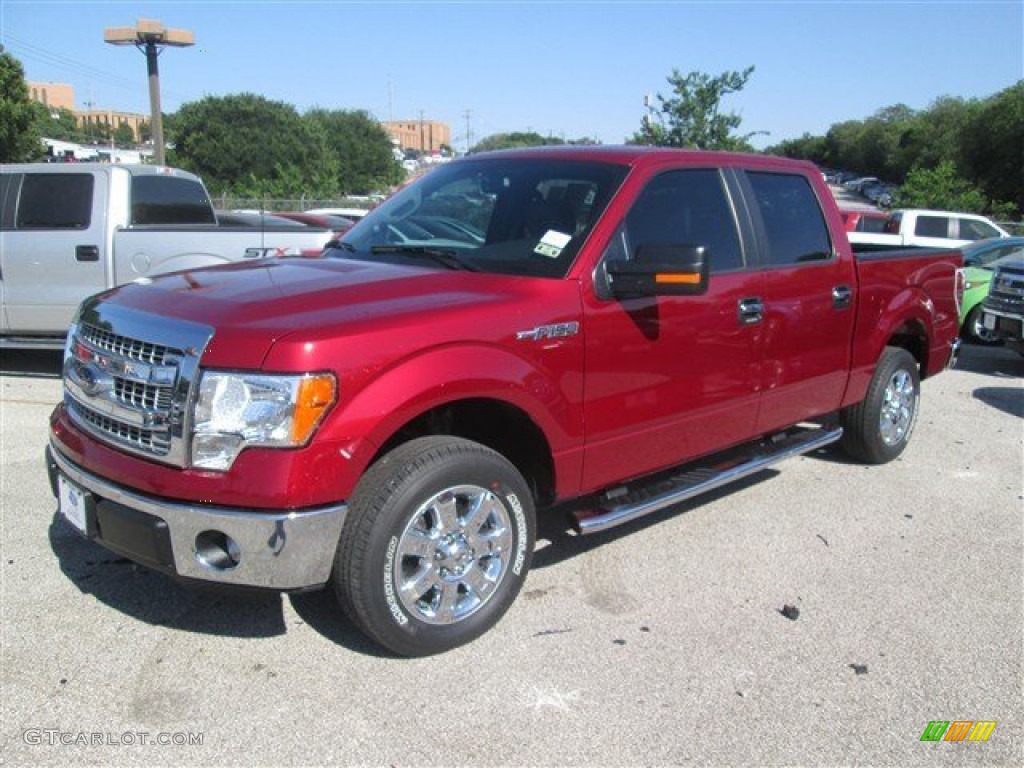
x: 236, y: 411
x: 974, y: 284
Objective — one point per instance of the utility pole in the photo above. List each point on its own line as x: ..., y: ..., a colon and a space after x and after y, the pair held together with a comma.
x: 468, y: 114
x: 151, y: 37
x: 422, y: 139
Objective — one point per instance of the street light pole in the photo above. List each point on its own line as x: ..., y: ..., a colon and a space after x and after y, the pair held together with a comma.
x: 151, y: 37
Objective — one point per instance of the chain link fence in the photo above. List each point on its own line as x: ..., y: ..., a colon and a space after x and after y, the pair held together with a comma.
x: 273, y: 205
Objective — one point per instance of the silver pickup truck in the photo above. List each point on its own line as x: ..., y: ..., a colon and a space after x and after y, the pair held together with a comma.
x: 68, y: 231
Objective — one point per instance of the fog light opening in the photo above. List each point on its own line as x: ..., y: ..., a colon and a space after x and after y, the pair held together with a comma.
x: 217, y: 551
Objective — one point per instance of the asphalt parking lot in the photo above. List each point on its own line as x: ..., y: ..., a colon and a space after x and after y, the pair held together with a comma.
x: 663, y: 642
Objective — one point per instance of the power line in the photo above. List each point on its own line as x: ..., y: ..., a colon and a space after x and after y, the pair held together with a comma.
x: 59, y: 61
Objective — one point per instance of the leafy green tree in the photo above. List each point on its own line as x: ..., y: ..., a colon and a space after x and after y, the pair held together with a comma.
x: 124, y: 134
x: 20, y: 140
x: 941, y: 188
x: 515, y: 140
x: 361, y: 150
x: 58, y: 123
x: 807, y: 147
x: 244, y: 144
x: 692, y: 117
x: 993, y: 145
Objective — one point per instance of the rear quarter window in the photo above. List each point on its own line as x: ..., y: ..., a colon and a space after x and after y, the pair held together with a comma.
x: 55, y: 201
x: 794, y: 225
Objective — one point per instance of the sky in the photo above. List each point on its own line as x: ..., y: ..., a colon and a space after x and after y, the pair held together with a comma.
x: 571, y: 69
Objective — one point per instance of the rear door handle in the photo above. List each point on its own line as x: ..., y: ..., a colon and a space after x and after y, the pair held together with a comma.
x: 751, y: 310
x: 87, y: 253
x: 842, y: 295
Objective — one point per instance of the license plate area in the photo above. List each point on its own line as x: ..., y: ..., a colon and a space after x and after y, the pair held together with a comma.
x: 989, y: 321
x: 73, y: 503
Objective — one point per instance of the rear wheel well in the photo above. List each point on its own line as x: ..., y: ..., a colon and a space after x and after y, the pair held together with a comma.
x: 913, y: 338
x: 500, y: 426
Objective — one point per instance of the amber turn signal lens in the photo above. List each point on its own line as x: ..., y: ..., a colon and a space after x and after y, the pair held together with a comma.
x: 315, y: 396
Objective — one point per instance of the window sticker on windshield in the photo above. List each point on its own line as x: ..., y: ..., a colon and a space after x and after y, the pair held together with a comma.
x: 552, y: 244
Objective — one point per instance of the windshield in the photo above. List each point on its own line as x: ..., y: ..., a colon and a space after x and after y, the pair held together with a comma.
x: 499, y: 214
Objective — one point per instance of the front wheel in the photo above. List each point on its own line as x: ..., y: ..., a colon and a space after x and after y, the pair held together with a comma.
x: 436, y: 547
x: 974, y: 329
x: 877, y: 429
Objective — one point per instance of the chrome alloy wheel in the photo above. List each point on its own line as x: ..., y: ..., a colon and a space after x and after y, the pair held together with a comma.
x: 453, y: 554
x: 898, y: 408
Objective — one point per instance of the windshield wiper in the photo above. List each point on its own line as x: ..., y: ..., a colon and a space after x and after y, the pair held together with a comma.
x: 443, y: 256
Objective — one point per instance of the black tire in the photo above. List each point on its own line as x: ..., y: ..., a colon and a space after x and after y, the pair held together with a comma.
x: 976, y: 333
x: 877, y: 429
x: 414, y: 570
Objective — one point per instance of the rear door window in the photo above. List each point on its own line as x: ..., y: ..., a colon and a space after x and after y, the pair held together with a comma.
x: 55, y: 201
x: 932, y: 226
x: 170, y: 200
x: 794, y: 225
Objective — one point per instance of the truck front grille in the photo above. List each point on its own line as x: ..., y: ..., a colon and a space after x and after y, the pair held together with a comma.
x: 1006, y: 292
x: 128, y: 379
x: 136, y: 349
x: 143, y: 440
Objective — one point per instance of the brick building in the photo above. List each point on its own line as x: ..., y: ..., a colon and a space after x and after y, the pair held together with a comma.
x: 421, y: 135
x: 62, y: 96
x: 56, y: 95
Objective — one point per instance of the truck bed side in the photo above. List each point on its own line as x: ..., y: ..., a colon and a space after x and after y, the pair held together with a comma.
x: 909, y: 296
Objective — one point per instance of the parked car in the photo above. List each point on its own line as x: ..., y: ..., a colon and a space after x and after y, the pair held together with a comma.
x: 255, y: 219
x: 880, y: 194
x: 857, y: 185
x: 940, y: 229
x: 980, y: 259
x: 349, y: 213
x: 337, y: 224
x: 391, y: 419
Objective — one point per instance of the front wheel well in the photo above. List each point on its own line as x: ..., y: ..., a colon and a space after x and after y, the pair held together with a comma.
x: 500, y: 426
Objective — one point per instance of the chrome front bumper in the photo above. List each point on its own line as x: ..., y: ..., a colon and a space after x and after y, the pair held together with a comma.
x: 244, y: 547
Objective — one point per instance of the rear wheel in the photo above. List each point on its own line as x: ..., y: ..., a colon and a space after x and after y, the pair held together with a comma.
x: 436, y: 547
x: 877, y: 429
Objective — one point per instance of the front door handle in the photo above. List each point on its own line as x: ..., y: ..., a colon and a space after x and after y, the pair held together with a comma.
x: 87, y: 253
x: 842, y: 295
x: 751, y: 310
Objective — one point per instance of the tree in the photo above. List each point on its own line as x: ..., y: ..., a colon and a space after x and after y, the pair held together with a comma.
x: 20, y: 140
x: 993, y: 145
x: 246, y: 145
x: 57, y: 123
x: 515, y: 140
x: 807, y: 147
x: 941, y: 188
x: 361, y: 150
x: 692, y: 117
x: 124, y: 134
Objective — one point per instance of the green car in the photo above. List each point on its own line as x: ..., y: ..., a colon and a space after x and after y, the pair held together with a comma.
x: 978, y: 266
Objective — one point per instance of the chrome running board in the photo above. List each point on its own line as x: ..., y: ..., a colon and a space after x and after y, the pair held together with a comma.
x: 702, y: 477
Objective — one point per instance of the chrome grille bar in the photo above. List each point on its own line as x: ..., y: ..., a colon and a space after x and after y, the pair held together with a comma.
x: 129, y: 378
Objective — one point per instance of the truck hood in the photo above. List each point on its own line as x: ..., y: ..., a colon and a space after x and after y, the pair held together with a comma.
x: 251, y: 306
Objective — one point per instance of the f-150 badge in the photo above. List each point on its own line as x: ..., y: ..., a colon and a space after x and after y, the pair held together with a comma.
x: 556, y: 331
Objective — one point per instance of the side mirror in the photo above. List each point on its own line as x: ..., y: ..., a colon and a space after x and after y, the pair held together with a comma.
x: 660, y: 269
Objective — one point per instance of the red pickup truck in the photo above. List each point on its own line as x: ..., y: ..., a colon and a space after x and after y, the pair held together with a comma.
x: 604, y: 330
